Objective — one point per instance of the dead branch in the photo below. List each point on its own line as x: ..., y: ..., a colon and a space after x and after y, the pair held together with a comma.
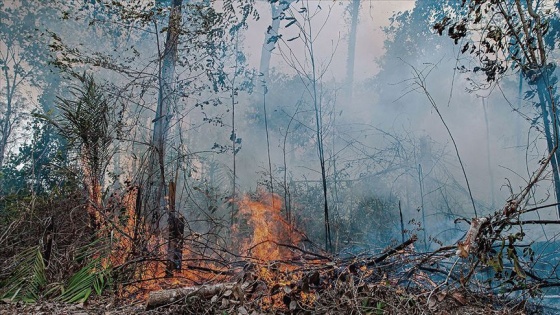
x: 163, y: 297
x: 464, y: 247
x: 393, y: 250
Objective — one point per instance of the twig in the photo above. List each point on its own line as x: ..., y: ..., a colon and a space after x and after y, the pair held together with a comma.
x: 444, y: 282
x: 420, y: 81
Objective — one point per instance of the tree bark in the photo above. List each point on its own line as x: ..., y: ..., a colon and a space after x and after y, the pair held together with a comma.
x: 176, y: 229
x: 155, y: 197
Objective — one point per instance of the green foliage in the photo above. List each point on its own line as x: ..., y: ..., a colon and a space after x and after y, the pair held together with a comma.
x: 85, y: 122
x: 507, y: 264
x: 379, y: 308
x: 91, y: 278
x: 29, y: 280
x: 39, y: 166
x: 524, y: 47
x: 29, y: 277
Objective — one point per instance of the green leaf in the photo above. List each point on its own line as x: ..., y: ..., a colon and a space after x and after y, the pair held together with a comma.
x: 28, y: 278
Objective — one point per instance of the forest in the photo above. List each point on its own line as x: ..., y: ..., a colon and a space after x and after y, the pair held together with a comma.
x: 279, y: 157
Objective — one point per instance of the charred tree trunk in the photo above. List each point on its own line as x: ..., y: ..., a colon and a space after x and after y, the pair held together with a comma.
x: 176, y: 226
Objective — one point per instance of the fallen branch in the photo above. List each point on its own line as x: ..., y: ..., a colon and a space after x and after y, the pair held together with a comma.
x: 393, y: 250
x: 163, y: 297
x: 464, y: 247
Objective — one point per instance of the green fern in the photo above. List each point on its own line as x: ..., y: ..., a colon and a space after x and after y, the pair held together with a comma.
x: 28, y: 278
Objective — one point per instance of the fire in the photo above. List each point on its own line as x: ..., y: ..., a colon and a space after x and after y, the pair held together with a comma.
x: 266, y: 237
x: 268, y: 230
x: 133, y: 240
x: 261, y: 235
x: 129, y: 238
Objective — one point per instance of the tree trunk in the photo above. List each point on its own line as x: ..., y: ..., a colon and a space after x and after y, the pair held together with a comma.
x: 317, y: 106
x: 354, y: 13
x: 268, y: 45
x: 489, y: 155
x: 176, y: 226
x: 551, y: 135
x: 155, y: 197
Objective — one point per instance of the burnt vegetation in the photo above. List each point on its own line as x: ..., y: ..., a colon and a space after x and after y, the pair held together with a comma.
x: 147, y: 166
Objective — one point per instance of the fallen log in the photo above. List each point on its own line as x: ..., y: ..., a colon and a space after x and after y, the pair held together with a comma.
x: 163, y: 297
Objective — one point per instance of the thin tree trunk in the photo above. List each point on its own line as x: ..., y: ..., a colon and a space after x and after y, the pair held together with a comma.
x: 319, y: 133
x: 155, y: 199
x: 489, y: 157
x: 268, y: 45
x: 354, y: 13
x: 287, y: 195
x: 421, y: 182
x: 402, y: 221
x: 268, y: 148
x: 551, y: 136
x: 518, y: 134
x: 264, y: 67
x: 175, y: 235
x: 335, y: 175
x: 233, y: 138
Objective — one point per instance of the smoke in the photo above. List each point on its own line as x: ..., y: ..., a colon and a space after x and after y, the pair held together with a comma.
x: 383, y: 146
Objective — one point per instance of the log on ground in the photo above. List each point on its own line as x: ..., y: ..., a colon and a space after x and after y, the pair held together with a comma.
x: 163, y: 297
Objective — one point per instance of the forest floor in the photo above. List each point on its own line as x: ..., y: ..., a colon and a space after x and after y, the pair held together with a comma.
x: 380, y: 300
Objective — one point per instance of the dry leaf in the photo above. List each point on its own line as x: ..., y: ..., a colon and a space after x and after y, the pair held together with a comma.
x: 238, y: 293
x: 242, y: 311
x: 459, y: 298
x: 225, y: 303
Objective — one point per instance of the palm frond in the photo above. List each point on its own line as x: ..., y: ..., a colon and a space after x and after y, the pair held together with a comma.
x: 93, y: 277
x: 28, y: 278
x: 79, y: 287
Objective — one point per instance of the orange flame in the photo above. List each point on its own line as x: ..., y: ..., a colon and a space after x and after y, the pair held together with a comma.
x: 267, y: 228
x: 262, y: 232
x: 132, y: 239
